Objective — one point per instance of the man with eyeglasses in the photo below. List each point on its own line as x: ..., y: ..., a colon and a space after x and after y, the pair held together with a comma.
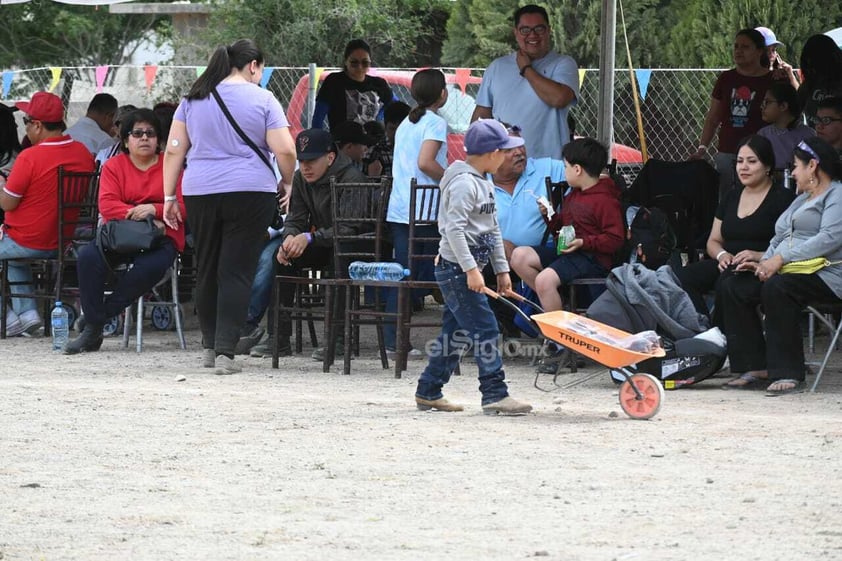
x: 828, y: 122
x: 533, y: 86
x: 30, y: 201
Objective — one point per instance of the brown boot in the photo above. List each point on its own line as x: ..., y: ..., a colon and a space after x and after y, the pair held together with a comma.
x: 507, y: 406
x: 440, y: 404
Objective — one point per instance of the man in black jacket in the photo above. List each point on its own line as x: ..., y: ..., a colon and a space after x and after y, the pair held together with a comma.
x: 308, y: 228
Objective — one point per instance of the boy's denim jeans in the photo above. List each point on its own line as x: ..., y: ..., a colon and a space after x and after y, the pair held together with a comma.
x: 21, y: 272
x: 467, y: 319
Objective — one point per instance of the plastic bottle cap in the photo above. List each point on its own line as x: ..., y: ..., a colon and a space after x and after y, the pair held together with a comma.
x: 58, y: 302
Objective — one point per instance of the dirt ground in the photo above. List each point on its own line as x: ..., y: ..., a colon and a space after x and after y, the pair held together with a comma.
x: 107, y: 456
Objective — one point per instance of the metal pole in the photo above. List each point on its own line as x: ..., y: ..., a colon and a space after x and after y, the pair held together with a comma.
x: 311, y: 94
x: 605, y: 122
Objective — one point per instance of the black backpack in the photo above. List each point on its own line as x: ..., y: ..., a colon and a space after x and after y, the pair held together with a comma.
x: 649, y: 237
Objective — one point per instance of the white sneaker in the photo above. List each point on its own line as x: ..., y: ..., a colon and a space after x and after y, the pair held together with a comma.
x: 226, y: 366
x: 31, y: 321
x: 14, y: 327
x: 413, y: 353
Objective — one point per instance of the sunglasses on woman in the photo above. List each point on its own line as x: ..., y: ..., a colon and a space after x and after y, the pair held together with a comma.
x: 365, y: 63
x: 138, y: 133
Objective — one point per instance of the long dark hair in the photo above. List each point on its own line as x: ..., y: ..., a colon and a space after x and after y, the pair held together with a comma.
x: 426, y: 89
x: 237, y: 55
x: 821, y: 64
x: 828, y: 157
x: 9, y: 141
x: 757, y: 38
x: 762, y: 148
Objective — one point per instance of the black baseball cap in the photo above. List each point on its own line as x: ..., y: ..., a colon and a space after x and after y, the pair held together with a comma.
x: 311, y: 144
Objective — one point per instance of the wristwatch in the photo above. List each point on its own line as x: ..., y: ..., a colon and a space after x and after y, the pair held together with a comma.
x: 523, y: 70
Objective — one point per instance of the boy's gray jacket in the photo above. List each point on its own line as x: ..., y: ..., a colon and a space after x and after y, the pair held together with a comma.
x: 470, y: 235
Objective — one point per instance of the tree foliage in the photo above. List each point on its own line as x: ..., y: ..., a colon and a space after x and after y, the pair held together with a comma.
x: 42, y: 33
x: 661, y: 33
x: 298, y: 32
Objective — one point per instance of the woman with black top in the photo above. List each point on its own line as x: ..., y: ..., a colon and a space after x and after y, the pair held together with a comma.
x: 352, y: 95
x: 743, y: 225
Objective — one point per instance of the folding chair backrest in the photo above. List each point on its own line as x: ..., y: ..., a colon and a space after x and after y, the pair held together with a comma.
x: 686, y: 191
x: 423, y: 211
x: 359, y: 211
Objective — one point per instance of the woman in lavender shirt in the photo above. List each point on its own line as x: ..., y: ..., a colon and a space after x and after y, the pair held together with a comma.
x: 229, y: 191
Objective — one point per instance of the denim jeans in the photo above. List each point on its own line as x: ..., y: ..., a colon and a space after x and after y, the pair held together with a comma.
x: 261, y: 287
x: 423, y: 269
x: 467, y: 319
x: 21, y: 272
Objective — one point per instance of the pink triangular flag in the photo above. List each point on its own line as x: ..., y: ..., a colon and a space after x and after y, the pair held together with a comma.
x: 101, y: 73
x: 151, y: 70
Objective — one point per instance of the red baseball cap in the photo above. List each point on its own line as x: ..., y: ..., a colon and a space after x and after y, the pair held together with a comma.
x: 44, y: 106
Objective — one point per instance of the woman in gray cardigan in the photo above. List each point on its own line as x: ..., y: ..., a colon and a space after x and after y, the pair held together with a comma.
x: 811, y: 227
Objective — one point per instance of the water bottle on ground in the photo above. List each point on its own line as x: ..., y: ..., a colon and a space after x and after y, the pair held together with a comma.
x: 360, y: 270
x: 60, y: 326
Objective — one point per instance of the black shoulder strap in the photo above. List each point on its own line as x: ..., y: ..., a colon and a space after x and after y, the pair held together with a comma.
x: 239, y: 131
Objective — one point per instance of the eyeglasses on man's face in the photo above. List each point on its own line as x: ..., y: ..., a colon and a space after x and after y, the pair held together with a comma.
x: 27, y: 121
x: 138, y: 133
x: 525, y: 30
x: 766, y: 102
x: 365, y: 63
x: 824, y: 121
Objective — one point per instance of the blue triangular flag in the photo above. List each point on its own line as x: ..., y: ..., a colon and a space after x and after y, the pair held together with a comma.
x: 8, y: 76
x: 267, y: 73
x: 643, y: 77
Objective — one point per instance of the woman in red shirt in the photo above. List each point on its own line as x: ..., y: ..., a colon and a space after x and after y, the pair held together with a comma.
x: 735, y: 104
x: 131, y: 188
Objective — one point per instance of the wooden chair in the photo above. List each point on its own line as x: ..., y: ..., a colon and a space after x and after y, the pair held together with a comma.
x: 359, y: 212
x: 77, y: 195
x: 423, y: 214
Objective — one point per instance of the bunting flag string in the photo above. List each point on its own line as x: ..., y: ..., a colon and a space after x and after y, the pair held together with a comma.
x: 200, y: 70
x: 56, y: 72
x: 101, y: 73
x: 581, y: 76
x: 643, y: 77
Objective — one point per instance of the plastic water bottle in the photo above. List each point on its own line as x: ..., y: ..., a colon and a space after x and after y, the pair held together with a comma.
x: 60, y: 326
x: 787, y: 178
x: 360, y: 270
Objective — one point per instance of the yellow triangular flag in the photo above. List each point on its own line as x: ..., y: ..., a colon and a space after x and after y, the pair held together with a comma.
x: 56, y: 72
x: 581, y: 76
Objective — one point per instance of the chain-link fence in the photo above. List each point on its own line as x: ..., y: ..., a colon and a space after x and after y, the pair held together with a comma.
x: 673, y: 107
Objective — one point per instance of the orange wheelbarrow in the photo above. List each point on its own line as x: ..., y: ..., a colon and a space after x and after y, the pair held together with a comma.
x: 641, y: 394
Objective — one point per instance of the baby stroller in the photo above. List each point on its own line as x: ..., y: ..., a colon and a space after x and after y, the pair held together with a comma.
x: 641, y: 394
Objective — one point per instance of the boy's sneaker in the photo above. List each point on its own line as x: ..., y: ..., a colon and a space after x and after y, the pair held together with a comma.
x: 319, y: 353
x: 249, y: 340
x: 30, y: 321
x: 264, y: 349
x: 507, y: 406
x: 14, y: 326
x: 226, y: 366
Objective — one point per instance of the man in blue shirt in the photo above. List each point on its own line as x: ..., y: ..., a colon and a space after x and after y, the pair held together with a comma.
x: 533, y: 86
x: 519, y: 182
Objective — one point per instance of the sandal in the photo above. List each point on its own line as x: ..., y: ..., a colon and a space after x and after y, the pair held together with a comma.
x: 797, y: 387
x: 751, y: 382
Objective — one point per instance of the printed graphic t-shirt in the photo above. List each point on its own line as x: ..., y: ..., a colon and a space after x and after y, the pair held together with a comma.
x: 740, y: 97
x: 350, y: 100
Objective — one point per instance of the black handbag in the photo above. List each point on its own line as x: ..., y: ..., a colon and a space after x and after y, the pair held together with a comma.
x: 129, y: 237
x: 278, y: 218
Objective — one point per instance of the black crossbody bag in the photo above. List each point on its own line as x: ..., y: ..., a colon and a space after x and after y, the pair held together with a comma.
x: 277, y: 220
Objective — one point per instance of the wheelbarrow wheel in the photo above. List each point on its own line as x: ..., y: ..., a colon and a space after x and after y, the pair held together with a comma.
x: 651, y: 396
